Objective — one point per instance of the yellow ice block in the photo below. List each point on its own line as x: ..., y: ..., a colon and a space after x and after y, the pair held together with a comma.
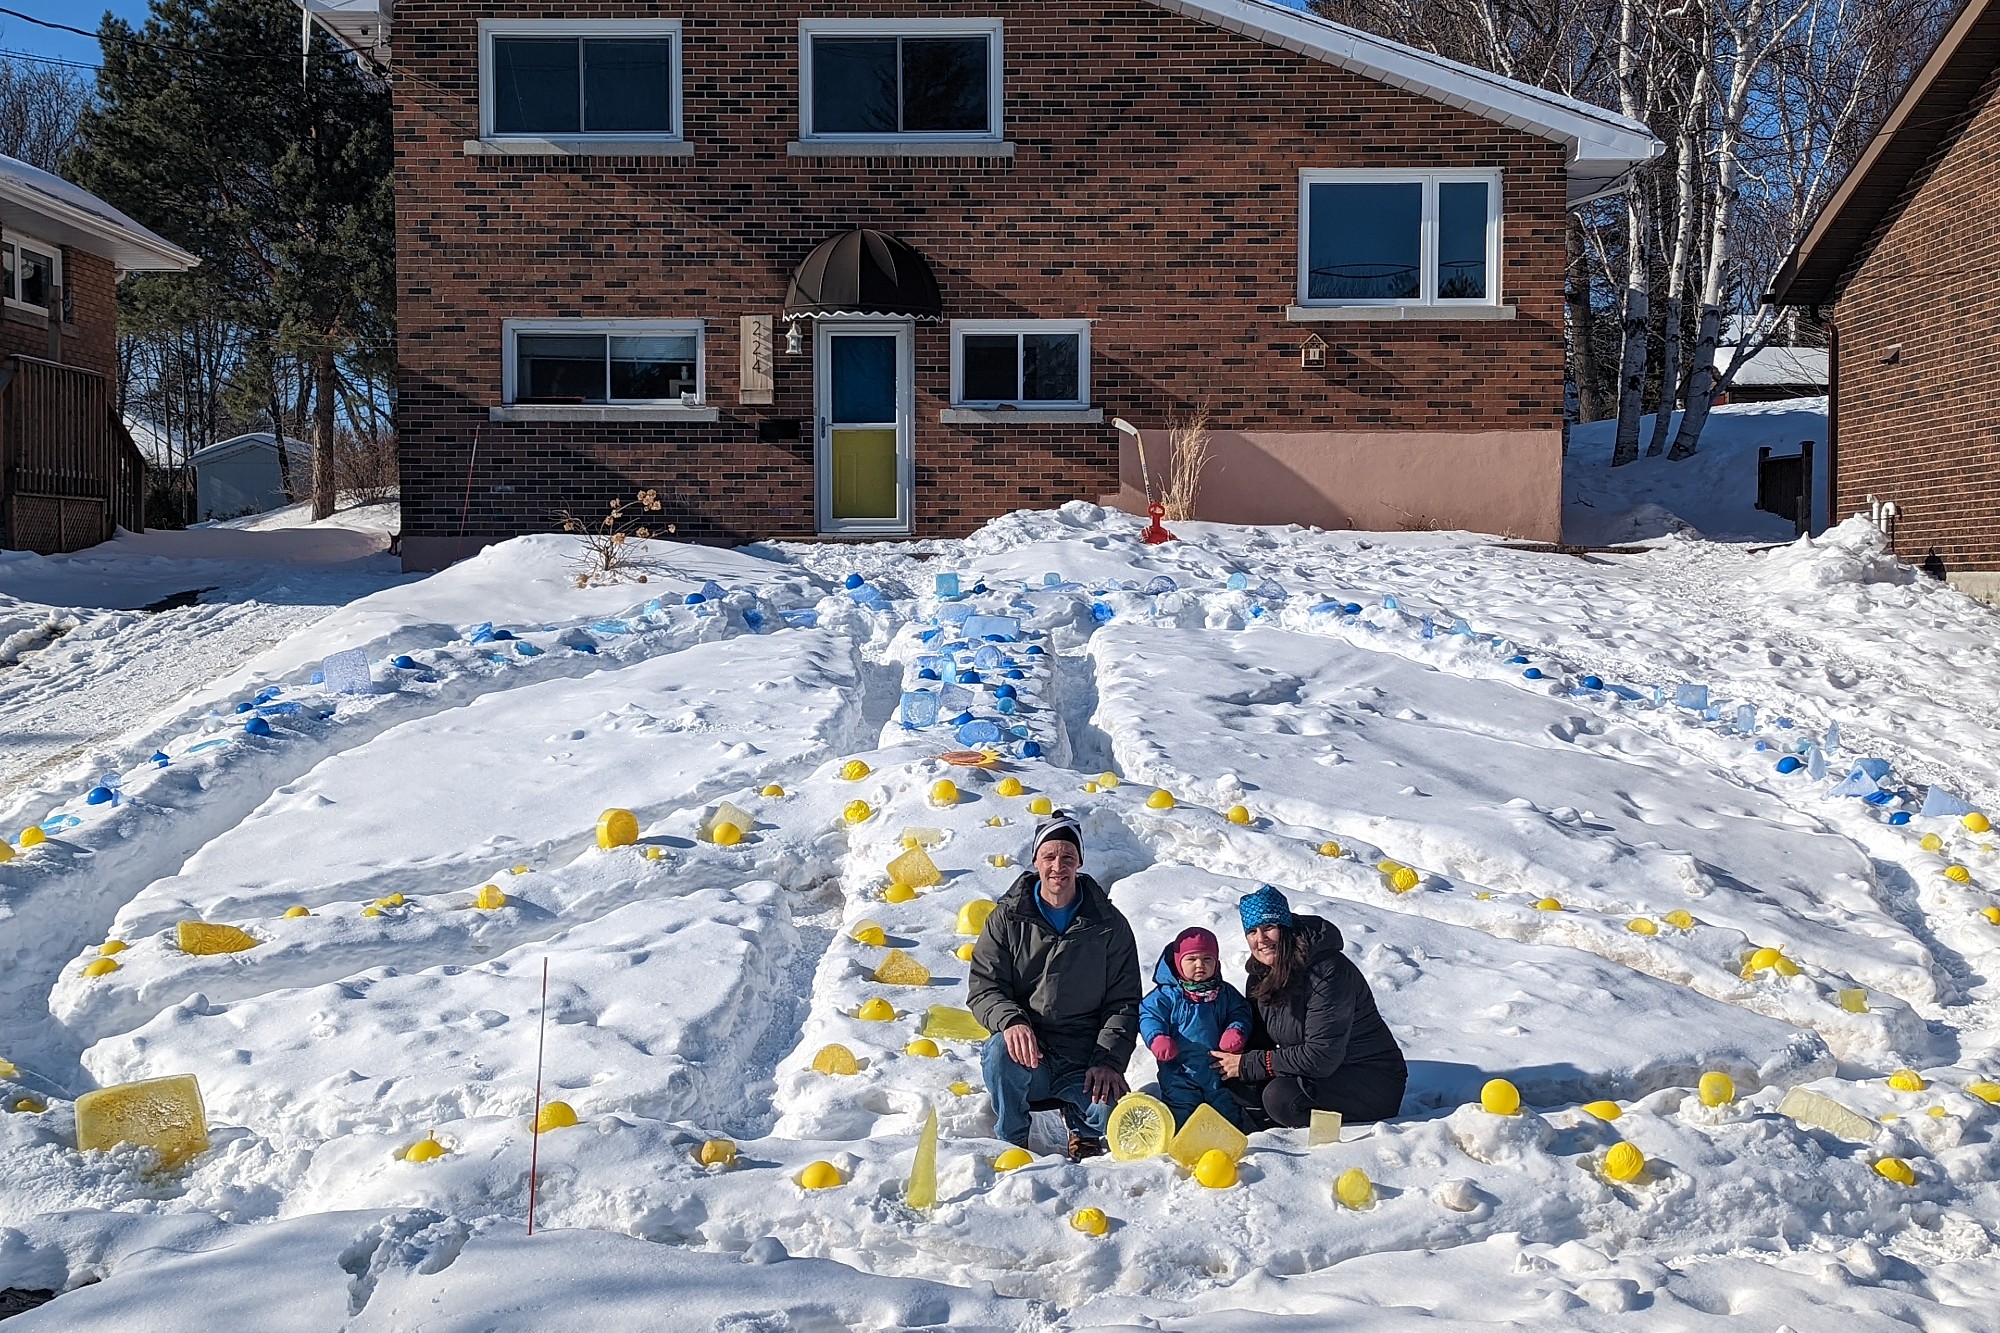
x: 1205, y: 1132
x: 1810, y: 1108
x: 163, y: 1113
x: 739, y: 819
x: 198, y: 937
x: 617, y: 828
x: 945, y: 1023
x: 1140, y: 1126
x: 915, y: 869
x: 1324, y: 1129
x: 921, y: 1192
x: 899, y: 969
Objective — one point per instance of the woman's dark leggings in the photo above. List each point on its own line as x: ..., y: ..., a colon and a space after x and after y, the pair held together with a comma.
x: 1360, y: 1094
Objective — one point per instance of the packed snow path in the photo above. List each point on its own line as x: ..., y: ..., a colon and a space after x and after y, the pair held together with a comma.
x: 1553, y: 858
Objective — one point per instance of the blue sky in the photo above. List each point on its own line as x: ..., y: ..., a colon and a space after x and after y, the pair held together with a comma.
x: 17, y: 36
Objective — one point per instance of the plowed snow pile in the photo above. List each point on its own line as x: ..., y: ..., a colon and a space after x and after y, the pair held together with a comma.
x: 1615, y: 787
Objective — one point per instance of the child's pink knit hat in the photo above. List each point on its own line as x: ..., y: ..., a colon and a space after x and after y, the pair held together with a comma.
x: 1194, y: 940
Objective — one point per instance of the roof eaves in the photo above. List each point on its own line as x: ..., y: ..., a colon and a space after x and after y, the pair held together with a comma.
x: 127, y: 244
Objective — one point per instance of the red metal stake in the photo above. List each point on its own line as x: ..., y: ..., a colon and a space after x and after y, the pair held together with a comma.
x: 535, y: 1147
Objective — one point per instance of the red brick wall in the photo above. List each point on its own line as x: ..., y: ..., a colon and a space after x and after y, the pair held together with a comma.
x: 1918, y: 389
x: 91, y: 339
x: 1155, y: 190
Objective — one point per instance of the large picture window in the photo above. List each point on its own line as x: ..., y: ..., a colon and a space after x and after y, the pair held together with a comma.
x: 1042, y: 363
x: 1396, y: 238
x: 568, y: 79
x: 33, y: 272
x: 604, y: 362
x: 909, y: 78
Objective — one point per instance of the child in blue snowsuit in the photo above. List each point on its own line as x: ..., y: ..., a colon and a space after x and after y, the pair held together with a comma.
x: 1191, y: 1012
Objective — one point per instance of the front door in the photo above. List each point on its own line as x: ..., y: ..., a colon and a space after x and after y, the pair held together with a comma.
x: 862, y: 386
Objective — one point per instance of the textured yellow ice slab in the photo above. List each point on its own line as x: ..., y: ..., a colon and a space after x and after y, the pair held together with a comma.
x: 199, y: 937
x: 914, y: 869
x: 162, y: 1113
x: 945, y: 1023
x: 1207, y: 1131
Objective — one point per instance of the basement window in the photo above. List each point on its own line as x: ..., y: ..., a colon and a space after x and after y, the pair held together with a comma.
x: 600, y: 362
x: 1390, y: 238
x: 566, y: 79
x: 33, y: 272
x: 906, y: 79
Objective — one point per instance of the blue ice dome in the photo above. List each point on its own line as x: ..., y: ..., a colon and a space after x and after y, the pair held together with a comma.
x: 969, y: 676
x: 1159, y: 584
x: 693, y: 599
x: 1790, y: 764
x: 1101, y: 613
x: 404, y: 662
x: 980, y: 586
x: 1036, y: 650
x: 1763, y: 745
x: 590, y: 648
x: 961, y: 719
x: 1900, y: 818
x: 1351, y: 608
x: 1238, y: 581
x: 852, y: 581
x: 1389, y: 603
x: 244, y: 707
x: 1031, y: 750
x: 1592, y: 683
x: 257, y: 726
x: 526, y: 649
x: 1006, y: 705
x: 1532, y: 673
x: 1004, y: 691
x: 1015, y: 673
x: 927, y: 674
x: 99, y: 795
x: 502, y: 635
x: 988, y: 658
x: 1516, y: 660
x: 160, y: 758
x: 268, y: 693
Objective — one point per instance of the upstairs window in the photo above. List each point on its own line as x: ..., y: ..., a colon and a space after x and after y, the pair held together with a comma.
x: 912, y: 78
x: 33, y: 272
x: 604, y: 362
x: 1042, y: 363
x: 606, y: 79
x: 1399, y: 238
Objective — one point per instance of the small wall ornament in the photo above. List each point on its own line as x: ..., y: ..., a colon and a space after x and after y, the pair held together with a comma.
x: 1312, y: 352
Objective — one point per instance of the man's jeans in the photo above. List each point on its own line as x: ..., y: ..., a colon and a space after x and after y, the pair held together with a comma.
x: 1013, y: 1087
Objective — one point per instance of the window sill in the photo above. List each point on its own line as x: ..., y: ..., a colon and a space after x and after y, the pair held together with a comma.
x: 900, y: 148
x: 579, y: 147
x: 1022, y: 416
x: 26, y: 315
x: 602, y: 412
x: 1329, y: 314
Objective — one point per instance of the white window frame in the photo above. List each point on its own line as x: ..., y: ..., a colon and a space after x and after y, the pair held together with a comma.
x: 15, y: 240
x: 1428, y: 243
x: 991, y: 29
x: 642, y: 328
x: 491, y: 28
x: 1080, y: 327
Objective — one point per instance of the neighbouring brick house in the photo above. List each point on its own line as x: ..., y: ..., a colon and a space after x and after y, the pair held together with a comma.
x: 894, y: 267
x: 68, y: 471
x: 1900, y: 267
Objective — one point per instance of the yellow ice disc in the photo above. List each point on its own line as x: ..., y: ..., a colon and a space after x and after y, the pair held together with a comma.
x: 944, y: 792
x: 1140, y: 1126
x: 617, y: 828
x: 1640, y: 925
x: 1216, y: 1170
x: 30, y: 1106
x: 1090, y: 1221
x: 423, y: 1150
x: 297, y: 912
x: 490, y: 899
x: 726, y: 834
x: 1992, y: 914
x: 1548, y: 905
x: 1160, y: 800
x: 923, y: 1048
x: 877, y: 1010
x: 1354, y: 1188
x: 820, y: 1176
x: 371, y: 910
x: 1000, y: 860
x: 110, y: 947
x: 555, y: 1115
x: 1931, y: 842
x: 393, y: 900
x: 1679, y: 919
x: 1041, y: 805
x: 1090, y: 787
x: 1008, y: 786
x: 1896, y: 1169
x: 654, y: 853
x: 1977, y: 823
x: 856, y: 811
x: 870, y: 933
x: 1958, y: 874
x: 1402, y: 879
x: 1907, y: 1080
x: 1624, y: 1162
x: 772, y: 790
x: 898, y: 893
x: 1985, y: 1091
x: 1237, y: 814
x: 1013, y: 1159
x: 1716, y: 1088
x: 1762, y: 959
x: 1500, y: 1097
x: 972, y: 916
x: 835, y: 1059
x: 717, y: 1152
x: 854, y: 770
x: 32, y: 836
x: 1107, y: 779
x: 1603, y: 1110
x: 517, y: 870
x: 964, y: 952
x: 1329, y: 849
x: 961, y: 1088
x: 100, y: 967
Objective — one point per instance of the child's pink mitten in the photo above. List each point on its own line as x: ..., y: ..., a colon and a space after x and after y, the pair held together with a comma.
x: 1164, y: 1048
x: 1233, y: 1040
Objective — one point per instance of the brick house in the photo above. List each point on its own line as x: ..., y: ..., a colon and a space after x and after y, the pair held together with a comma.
x: 894, y: 268
x: 69, y: 473
x: 1899, y: 267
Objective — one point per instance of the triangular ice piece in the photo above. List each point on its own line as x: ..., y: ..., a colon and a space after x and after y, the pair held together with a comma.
x: 1205, y: 1131
x: 915, y: 869
x: 899, y: 969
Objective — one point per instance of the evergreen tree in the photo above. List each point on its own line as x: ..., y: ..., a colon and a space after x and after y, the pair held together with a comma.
x: 275, y: 169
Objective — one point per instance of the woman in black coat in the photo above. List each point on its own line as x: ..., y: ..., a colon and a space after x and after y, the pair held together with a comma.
x: 1319, y: 1042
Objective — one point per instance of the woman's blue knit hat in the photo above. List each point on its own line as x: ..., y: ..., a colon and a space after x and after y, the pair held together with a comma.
x: 1266, y: 907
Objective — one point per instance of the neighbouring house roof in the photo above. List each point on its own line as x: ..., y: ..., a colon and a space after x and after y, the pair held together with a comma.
x: 300, y: 450
x: 1931, y: 113
x: 1777, y: 367
x: 56, y: 210
x: 1603, y: 146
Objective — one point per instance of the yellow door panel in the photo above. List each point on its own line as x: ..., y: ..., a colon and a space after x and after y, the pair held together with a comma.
x: 864, y: 473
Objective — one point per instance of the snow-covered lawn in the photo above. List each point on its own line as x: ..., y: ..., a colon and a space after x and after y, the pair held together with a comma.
x: 1508, y: 724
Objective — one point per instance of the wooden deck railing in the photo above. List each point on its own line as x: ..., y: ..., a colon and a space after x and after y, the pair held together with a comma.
x: 68, y: 469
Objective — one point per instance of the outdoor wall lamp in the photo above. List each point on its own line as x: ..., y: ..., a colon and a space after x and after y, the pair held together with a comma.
x: 795, y: 342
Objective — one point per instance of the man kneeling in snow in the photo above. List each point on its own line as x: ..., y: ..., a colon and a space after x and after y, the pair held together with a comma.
x: 1055, y: 977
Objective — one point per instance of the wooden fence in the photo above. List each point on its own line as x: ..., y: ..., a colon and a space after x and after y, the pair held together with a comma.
x: 69, y: 472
